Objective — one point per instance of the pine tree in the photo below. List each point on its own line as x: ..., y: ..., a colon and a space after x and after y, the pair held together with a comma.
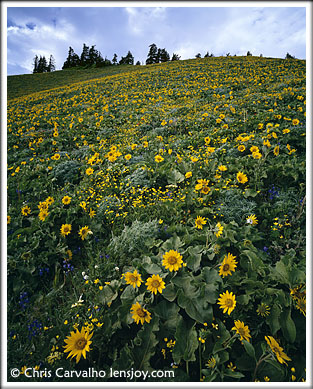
x: 72, y: 59
x: 152, y: 55
x: 158, y: 56
x: 51, y: 66
x: 35, y: 64
x: 114, y: 60
x: 84, y: 57
x: 92, y: 56
x: 42, y: 65
x: 128, y: 60
x: 175, y: 57
x: 164, y: 56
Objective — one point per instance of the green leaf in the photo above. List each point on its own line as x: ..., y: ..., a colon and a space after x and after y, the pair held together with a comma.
x: 273, y: 319
x: 194, y: 257
x: 250, y: 193
x: 245, y: 363
x: 152, y: 268
x: 210, y: 275
x: 288, y: 326
x: 243, y: 299
x: 233, y: 374
x: 186, y: 341
x: 249, y: 348
x: 223, y: 356
x: 128, y: 294
x: 174, y: 177
x: 145, y: 343
x: 280, y: 272
x: 125, y: 361
x: 166, y: 310
x: 169, y: 292
x: 255, y: 261
x: 193, y: 300
x: 174, y: 243
x: 211, y: 293
x: 297, y: 277
x: 200, y: 311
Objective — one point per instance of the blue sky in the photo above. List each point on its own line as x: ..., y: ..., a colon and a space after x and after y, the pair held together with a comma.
x: 186, y: 31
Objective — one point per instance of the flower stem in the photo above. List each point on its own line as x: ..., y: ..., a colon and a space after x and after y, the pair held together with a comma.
x: 262, y: 359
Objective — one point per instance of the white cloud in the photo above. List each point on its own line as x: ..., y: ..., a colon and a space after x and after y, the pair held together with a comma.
x: 142, y: 19
x: 42, y: 40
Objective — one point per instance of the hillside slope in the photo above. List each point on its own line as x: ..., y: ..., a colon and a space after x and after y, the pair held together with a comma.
x: 26, y: 84
x: 160, y: 214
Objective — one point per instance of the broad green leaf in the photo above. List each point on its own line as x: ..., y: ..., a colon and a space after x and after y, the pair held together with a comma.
x: 166, y: 310
x: 211, y: 293
x: 223, y: 356
x: 174, y: 176
x: 197, y: 308
x: 144, y: 344
x: 125, y: 360
x: 250, y: 193
x: 152, y: 268
x: 243, y: 299
x: 174, y: 243
x: 297, y: 277
x: 288, y: 326
x: 186, y: 341
x: 255, y: 261
x: 249, y: 348
x: 280, y: 272
x: 210, y: 275
x: 273, y: 319
x: 233, y: 374
x: 193, y: 258
x: 128, y: 294
x: 169, y: 292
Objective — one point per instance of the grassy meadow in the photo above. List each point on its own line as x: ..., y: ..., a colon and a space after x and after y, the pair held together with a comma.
x: 156, y: 222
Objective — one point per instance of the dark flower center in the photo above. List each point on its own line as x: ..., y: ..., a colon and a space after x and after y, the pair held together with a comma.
x: 141, y: 312
x: 81, y: 343
x: 229, y: 303
x: 172, y: 260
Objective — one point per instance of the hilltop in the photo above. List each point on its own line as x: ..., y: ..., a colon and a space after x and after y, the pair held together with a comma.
x: 25, y: 84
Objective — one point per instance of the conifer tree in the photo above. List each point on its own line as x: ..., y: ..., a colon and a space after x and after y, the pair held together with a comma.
x: 175, y: 57
x: 152, y: 55
x: 164, y: 56
x: 114, y: 60
x: 35, y: 64
x: 51, y: 66
x: 128, y: 60
x: 84, y: 57
x: 72, y: 59
x: 42, y: 65
x: 158, y: 56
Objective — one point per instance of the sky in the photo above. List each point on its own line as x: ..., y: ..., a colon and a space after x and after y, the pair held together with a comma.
x: 183, y: 30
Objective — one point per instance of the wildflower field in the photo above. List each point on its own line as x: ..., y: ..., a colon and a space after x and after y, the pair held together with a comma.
x: 156, y: 224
